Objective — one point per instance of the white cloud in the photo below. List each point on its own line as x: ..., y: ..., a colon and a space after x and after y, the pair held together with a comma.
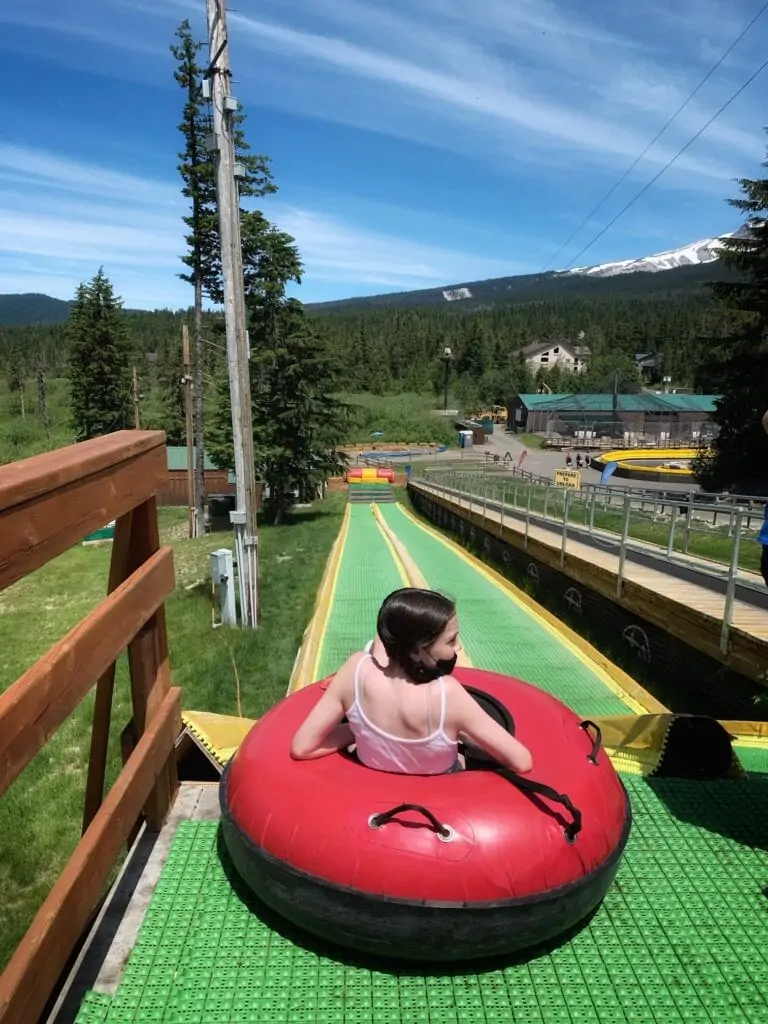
x: 56, y: 235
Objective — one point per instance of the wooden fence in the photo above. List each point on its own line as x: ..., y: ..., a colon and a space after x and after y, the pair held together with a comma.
x: 47, y: 504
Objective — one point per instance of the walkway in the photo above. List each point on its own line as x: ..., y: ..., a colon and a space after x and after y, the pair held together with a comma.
x: 684, y: 606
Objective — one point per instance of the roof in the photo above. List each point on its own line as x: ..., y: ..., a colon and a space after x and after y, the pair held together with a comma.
x: 177, y: 458
x: 544, y: 346
x: 625, y: 403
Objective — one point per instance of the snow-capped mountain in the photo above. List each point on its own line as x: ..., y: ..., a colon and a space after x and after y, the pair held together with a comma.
x: 705, y: 251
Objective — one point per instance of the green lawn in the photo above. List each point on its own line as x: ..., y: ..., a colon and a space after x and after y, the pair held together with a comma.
x: 40, y: 815
x: 407, y: 418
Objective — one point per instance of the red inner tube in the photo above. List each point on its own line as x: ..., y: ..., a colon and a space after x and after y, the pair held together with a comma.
x: 331, y: 818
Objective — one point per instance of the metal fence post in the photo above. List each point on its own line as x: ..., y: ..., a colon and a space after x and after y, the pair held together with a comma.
x: 623, y: 547
x: 528, y: 517
x: 672, y: 525
x: 592, y: 512
x: 546, y: 499
x: 501, y: 508
x: 730, y: 592
x: 485, y: 498
x: 687, y: 530
x: 566, y: 507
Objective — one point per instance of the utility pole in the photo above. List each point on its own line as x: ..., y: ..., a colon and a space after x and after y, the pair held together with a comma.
x: 191, y: 493
x: 136, y: 417
x: 224, y: 106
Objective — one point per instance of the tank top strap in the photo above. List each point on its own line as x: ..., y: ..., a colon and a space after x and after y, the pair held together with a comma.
x: 366, y: 657
x: 442, y: 703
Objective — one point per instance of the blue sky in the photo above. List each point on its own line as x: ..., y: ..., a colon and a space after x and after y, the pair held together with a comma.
x: 414, y: 142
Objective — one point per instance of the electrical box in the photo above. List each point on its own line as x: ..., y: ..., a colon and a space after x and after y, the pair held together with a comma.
x: 231, y: 104
x: 220, y: 561
x: 212, y: 142
x: 205, y: 88
x: 238, y: 171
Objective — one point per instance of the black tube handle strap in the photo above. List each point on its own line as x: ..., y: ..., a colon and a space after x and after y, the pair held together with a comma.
x: 586, y: 725
x: 377, y: 820
x: 573, y: 828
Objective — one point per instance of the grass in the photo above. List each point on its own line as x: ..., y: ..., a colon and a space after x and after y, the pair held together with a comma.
x: 22, y: 436
x: 530, y: 440
x: 406, y: 418
x: 40, y: 815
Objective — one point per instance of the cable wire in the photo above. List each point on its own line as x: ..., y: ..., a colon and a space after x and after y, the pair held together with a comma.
x: 657, y: 136
x: 669, y: 163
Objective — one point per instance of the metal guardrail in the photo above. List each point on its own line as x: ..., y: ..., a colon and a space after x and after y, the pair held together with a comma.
x: 622, y: 515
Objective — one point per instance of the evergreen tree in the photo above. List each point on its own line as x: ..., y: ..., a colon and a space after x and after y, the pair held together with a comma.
x: 170, y: 386
x: 297, y: 423
x: 738, y: 366
x: 99, y: 361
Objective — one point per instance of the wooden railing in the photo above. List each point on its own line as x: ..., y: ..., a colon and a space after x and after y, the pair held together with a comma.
x: 47, y: 504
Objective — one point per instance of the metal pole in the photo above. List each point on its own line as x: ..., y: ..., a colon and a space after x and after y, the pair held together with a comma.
x: 672, y: 525
x: 730, y: 592
x: 191, y: 500
x: 501, y: 507
x: 623, y: 548
x: 687, y: 530
x: 528, y: 516
x: 566, y: 506
x: 592, y: 512
x: 546, y: 499
x: 224, y: 105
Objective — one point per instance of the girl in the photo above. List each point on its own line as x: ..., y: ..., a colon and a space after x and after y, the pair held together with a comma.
x: 406, y: 711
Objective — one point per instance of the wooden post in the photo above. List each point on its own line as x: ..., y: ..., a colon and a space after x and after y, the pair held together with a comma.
x: 136, y: 417
x: 191, y: 490
x: 223, y: 107
x: 149, y: 666
x: 102, y: 707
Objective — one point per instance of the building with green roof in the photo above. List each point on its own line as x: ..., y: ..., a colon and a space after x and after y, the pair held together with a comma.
x: 666, y: 416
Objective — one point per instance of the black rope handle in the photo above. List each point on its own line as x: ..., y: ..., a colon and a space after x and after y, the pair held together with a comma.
x: 377, y: 820
x: 586, y: 725
x: 541, y: 789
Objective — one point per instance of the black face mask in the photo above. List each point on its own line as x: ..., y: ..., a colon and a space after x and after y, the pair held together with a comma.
x: 422, y: 673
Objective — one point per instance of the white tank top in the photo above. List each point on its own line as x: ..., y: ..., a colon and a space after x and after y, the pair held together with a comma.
x: 425, y: 755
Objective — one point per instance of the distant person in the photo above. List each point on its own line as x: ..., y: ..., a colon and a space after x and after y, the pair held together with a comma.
x: 762, y: 538
x: 568, y: 461
x: 406, y: 716
x: 579, y: 461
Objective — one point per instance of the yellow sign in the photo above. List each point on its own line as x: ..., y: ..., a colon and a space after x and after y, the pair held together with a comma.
x: 568, y: 478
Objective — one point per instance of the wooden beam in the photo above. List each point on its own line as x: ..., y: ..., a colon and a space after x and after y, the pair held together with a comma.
x: 33, y: 708
x: 40, y: 958
x: 44, y: 518
x: 119, y: 570
x: 29, y: 478
x: 149, y: 665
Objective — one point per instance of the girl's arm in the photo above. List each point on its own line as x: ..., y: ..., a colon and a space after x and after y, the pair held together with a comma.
x: 321, y: 732
x: 466, y: 715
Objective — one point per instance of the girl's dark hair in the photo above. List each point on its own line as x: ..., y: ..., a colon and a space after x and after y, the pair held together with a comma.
x: 412, y: 619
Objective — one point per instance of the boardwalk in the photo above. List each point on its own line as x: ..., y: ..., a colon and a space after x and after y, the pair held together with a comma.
x: 688, y: 603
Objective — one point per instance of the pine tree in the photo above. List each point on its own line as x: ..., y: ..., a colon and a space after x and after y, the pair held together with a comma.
x: 203, y: 256
x: 736, y: 458
x: 297, y: 423
x: 99, y: 361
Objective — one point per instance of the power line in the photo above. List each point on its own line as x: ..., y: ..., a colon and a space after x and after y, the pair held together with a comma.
x: 657, y: 136
x: 669, y: 163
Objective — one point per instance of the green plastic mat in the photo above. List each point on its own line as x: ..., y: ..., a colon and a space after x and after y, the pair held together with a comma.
x: 753, y: 759
x: 682, y: 936
x: 367, y: 573
x: 500, y: 634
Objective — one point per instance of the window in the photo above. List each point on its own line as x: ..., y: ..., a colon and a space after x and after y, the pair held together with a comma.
x: 556, y: 349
